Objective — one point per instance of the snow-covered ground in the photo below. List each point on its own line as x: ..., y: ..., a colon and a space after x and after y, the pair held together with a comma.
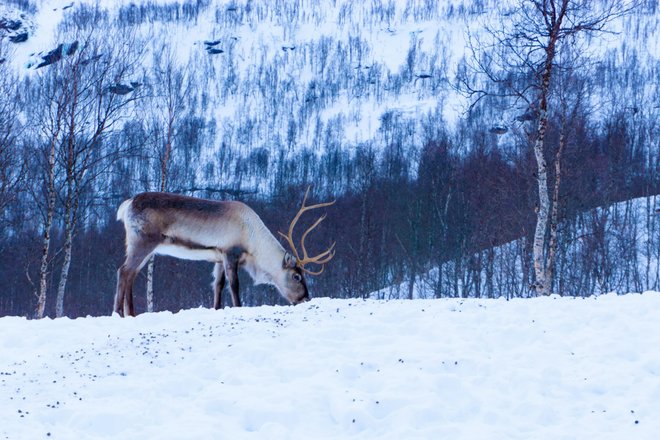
x: 546, y: 368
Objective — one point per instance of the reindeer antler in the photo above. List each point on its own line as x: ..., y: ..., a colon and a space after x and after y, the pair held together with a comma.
x: 320, y: 259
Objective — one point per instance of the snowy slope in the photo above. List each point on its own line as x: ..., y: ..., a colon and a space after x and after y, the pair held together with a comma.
x: 319, y: 75
x: 552, y: 368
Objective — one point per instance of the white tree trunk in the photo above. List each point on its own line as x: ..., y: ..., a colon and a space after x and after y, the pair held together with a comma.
x: 554, y: 216
x: 538, y: 247
x: 50, y: 212
x: 43, y: 269
x: 150, y: 285
x: 66, y: 264
x: 543, y: 209
x: 64, y: 275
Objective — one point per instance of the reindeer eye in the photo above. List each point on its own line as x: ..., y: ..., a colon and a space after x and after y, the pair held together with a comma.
x: 296, y: 276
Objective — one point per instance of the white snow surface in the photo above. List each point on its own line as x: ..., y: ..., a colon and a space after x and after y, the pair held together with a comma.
x: 544, y: 368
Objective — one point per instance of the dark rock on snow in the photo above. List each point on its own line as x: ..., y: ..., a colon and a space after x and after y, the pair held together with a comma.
x: 499, y: 129
x: 120, y: 89
x: 19, y: 38
x: 56, y: 54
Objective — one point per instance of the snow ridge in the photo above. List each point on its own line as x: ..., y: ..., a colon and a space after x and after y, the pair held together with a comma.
x: 462, y: 369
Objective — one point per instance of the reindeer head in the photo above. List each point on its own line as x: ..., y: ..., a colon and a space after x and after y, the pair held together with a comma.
x: 294, y: 265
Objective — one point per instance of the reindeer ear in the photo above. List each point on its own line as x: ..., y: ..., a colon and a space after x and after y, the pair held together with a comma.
x: 289, y: 261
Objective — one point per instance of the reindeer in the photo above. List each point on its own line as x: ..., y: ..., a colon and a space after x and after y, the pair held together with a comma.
x: 227, y: 233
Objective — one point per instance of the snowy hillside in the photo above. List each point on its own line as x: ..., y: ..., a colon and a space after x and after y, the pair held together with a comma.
x: 285, y: 76
x: 552, y: 368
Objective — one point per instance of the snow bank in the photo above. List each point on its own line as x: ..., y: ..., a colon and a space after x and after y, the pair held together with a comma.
x: 461, y: 369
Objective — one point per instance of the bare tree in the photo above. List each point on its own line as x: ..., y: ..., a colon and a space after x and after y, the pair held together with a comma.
x: 11, y: 165
x: 49, y: 124
x: 572, y: 95
x: 85, y: 97
x: 171, y: 84
x: 521, y: 61
x: 100, y: 97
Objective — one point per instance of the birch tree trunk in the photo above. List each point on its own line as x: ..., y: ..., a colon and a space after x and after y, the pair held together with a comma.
x: 150, y: 285
x: 45, y: 249
x: 69, y: 226
x: 543, y: 282
x: 72, y: 105
x: 43, y: 269
x: 66, y: 264
x: 554, y: 217
x: 543, y: 208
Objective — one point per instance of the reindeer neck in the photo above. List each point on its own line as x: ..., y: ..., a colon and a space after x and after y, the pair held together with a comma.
x: 268, y: 253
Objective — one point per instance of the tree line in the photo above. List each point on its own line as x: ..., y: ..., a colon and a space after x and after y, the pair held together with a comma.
x: 453, y: 209
x: 390, y: 230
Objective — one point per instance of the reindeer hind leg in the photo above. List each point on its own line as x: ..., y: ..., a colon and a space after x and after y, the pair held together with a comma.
x: 136, y: 257
x: 231, y: 269
x: 219, y: 280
